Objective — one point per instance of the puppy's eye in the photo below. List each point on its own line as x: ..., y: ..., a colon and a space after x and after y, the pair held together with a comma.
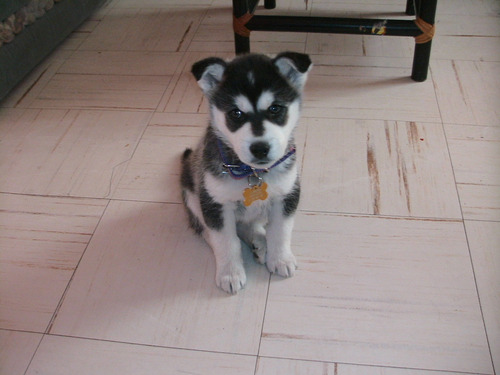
x: 235, y: 114
x: 275, y: 109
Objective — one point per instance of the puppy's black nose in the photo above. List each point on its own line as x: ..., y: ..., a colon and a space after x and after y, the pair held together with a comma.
x: 260, y: 149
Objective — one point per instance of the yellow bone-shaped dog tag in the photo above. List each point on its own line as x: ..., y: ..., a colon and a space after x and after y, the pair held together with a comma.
x: 254, y: 193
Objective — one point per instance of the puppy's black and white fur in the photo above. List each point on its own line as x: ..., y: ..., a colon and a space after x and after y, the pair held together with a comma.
x: 254, y: 104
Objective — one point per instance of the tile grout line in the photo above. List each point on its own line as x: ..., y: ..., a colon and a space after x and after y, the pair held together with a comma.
x: 126, y: 162
x: 61, y: 300
x: 381, y: 216
x: 145, y: 345
x: 473, y: 269
x: 464, y: 226
x: 446, y: 141
x: 262, y: 327
x: 68, y: 285
x: 34, y: 354
x: 376, y: 366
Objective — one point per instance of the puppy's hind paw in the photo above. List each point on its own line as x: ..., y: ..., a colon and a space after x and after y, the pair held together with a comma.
x: 259, y: 253
x: 284, y: 265
x: 231, y: 280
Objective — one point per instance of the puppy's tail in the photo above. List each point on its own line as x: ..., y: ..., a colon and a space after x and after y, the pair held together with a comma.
x: 186, y: 154
x: 187, y: 181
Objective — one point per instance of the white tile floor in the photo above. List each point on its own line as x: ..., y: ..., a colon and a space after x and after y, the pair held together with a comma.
x: 397, y: 236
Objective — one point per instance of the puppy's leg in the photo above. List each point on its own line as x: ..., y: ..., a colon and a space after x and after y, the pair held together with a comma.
x: 230, y: 274
x: 221, y: 235
x: 254, y: 235
x: 279, y: 257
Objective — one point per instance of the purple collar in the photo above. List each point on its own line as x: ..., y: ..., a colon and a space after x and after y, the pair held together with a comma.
x: 242, y: 170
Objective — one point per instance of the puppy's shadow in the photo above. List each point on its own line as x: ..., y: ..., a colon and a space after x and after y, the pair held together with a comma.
x: 145, y: 254
x: 146, y: 277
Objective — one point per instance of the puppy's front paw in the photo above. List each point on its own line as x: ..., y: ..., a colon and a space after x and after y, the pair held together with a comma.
x: 231, y: 278
x: 283, y: 265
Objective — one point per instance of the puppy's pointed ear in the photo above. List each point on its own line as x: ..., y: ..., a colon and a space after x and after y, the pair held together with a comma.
x: 294, y: 67
x: 208, y: 73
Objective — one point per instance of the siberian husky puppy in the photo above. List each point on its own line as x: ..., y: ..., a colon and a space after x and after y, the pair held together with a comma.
x: 241, y: 181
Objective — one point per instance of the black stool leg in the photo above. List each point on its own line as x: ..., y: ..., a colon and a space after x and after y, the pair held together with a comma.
x: 410, y: 7
x: 240, y: 8
x: 417, y: 5
x: 241, y: 43
x: 269, y: 4
x: 422, y: 52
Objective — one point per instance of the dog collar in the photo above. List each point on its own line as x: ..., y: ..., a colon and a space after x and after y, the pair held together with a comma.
x: 239, y: 171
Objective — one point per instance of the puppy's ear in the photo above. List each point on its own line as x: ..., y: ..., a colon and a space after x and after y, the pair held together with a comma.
x: 208, y: 73
x: 294, y: 67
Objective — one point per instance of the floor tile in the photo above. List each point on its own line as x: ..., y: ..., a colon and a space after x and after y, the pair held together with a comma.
x: 179, y: 119
x: 484, y: 242
x: 183, y: 95
x: 462, y: 20
x: 16, y: 351
x: 146, y: 277
x: 109, y: 79
x: 475, y: 153
x: 474, y: 48
x: 372, y: 291
x: 467, y: 91
x: 99, y: 91
x: 335, y: 44
x: 135, y: 63
x: 344, y: 63
x: 278, y: 366
x: 293, y: 7
x: 79, y: 35
x: 373, y: 370
x: 359, y: 8
x: 479, y: 202
x: 42, y: 240
x: 64, y: 355
x: 465, y: 7
x: 357, y: 45
x: 145, y: 29
x: 258, y: 45
x: 467, y: 25
x: 378, y: 167
x: 67, y: 152
x: 363, y: 92
x: 153, y: 174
